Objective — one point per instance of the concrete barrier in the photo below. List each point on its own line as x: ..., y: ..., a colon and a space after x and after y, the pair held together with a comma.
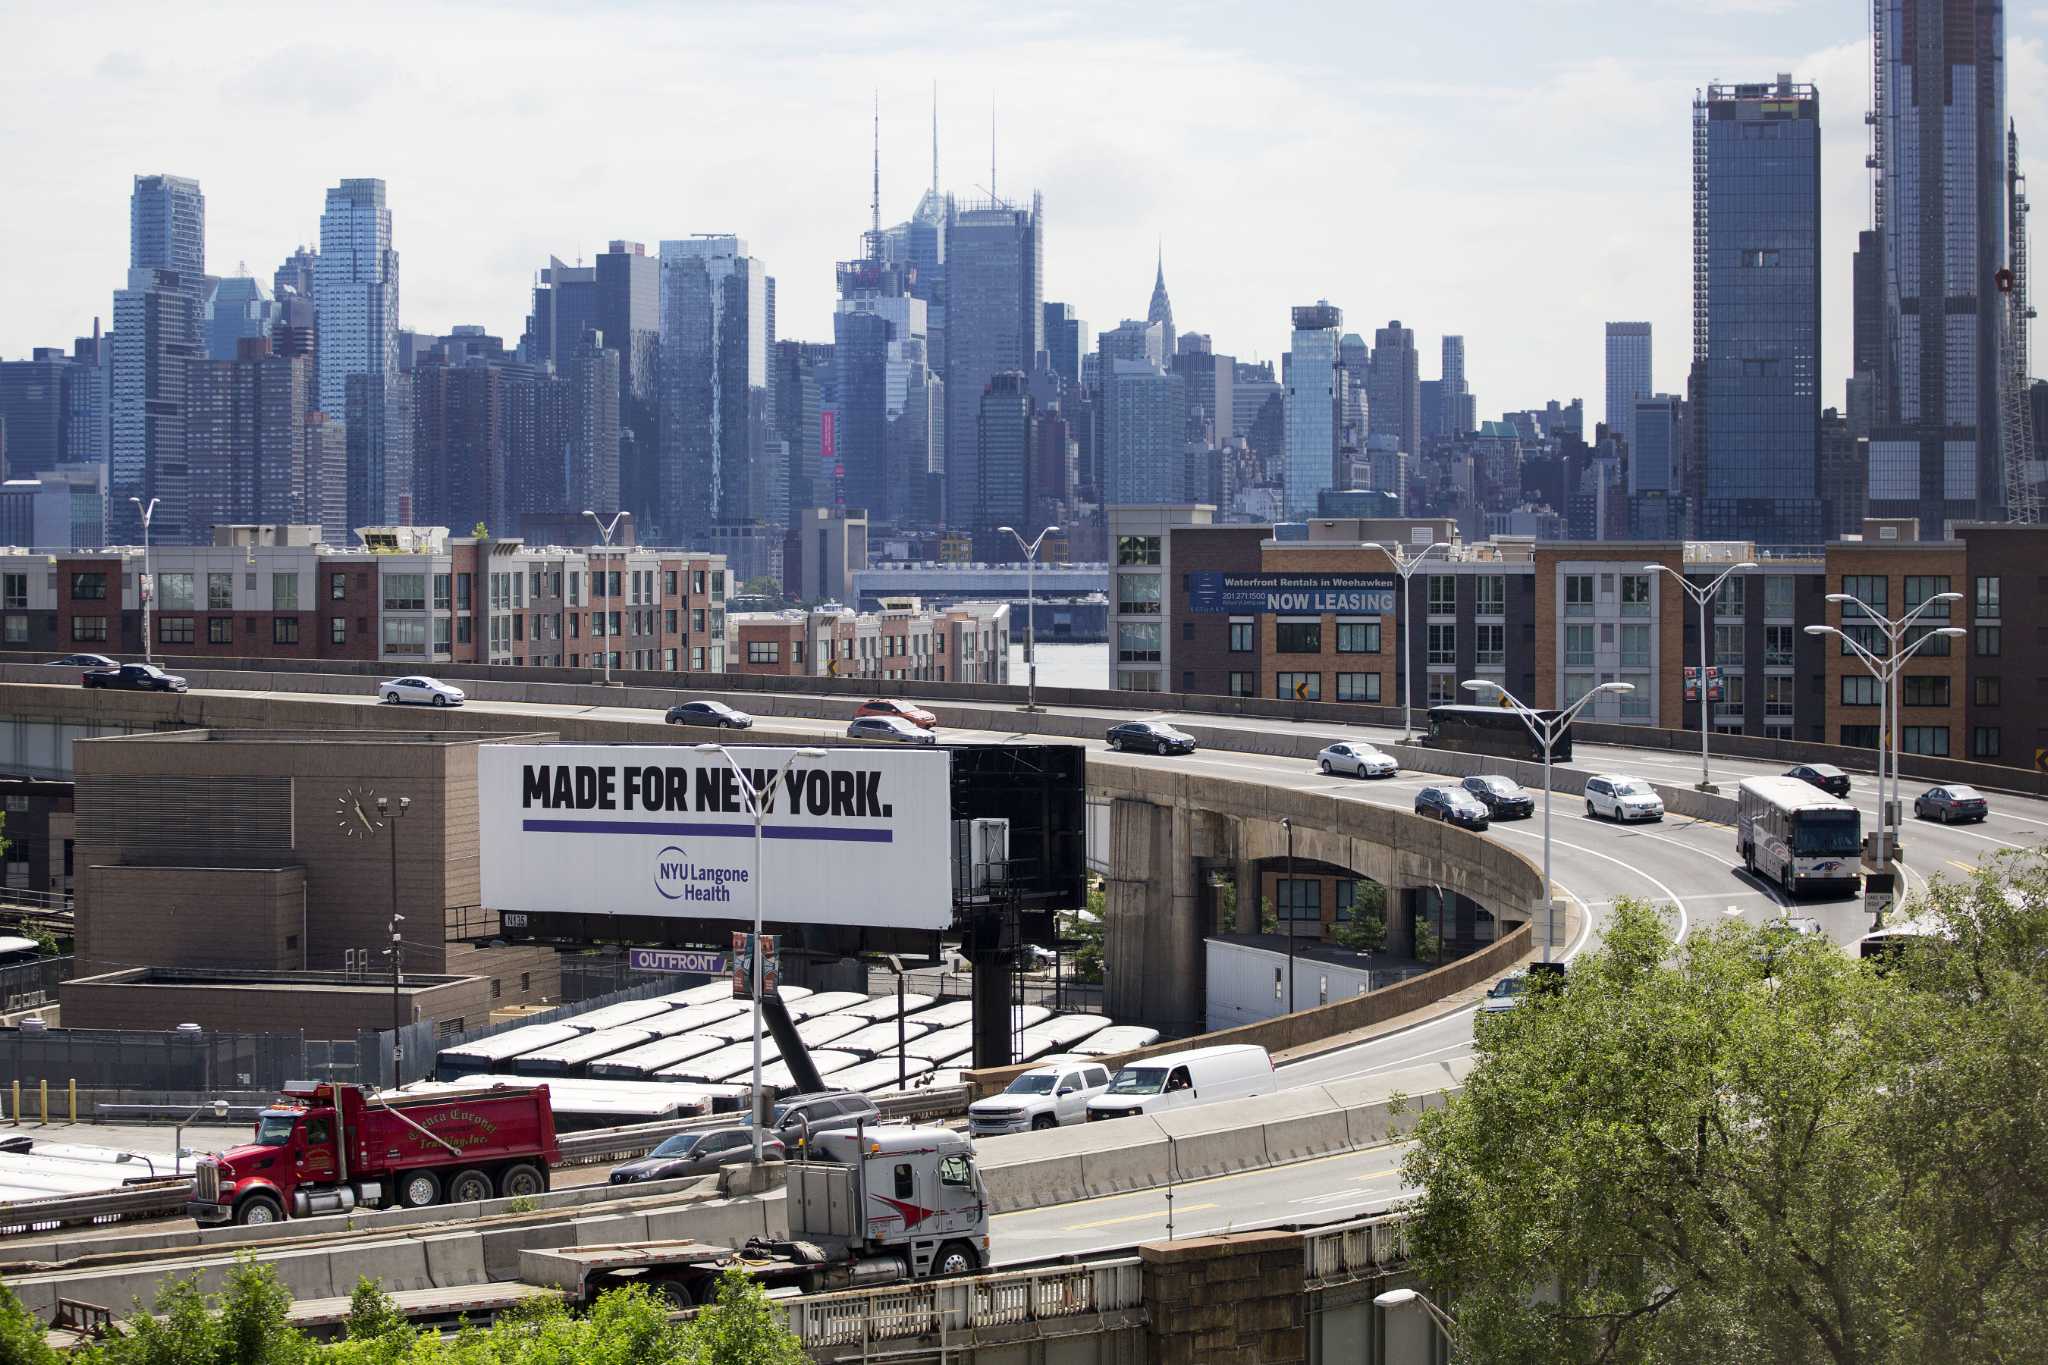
x: 394, y: 1262
x: 454, y: 1259
x: 606, y: 1231
x: 1138, y: 1162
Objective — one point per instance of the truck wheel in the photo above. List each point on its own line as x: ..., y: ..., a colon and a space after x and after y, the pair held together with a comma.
x: 522, y: 1179
x: 469, y: 1187
x: 1044, y: 1121
x: 418, y: 1189
x: 259, y: 1210
x: 955, y: 1258
x: 677, y: 1294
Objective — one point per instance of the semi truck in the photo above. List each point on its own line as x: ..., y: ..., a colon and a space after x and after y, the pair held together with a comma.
x: 326, y: 1148
x: 871, y: 1206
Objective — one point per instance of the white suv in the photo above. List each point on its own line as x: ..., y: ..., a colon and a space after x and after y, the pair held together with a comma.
x: 1615, y: 797
x: 1043, y: 1097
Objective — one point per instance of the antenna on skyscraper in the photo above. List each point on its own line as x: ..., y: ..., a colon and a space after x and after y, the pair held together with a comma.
x: 875, y: 203
x: 992, y: 152
x: 935, y: 141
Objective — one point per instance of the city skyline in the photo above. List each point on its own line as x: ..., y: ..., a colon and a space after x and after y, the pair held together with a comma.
x: 1438, y: 266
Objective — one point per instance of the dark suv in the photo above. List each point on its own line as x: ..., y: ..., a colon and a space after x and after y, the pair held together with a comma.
x: 1504, y: 798
x: 136, y: 678
x: 819, y: 1112
x: 1452, y: 804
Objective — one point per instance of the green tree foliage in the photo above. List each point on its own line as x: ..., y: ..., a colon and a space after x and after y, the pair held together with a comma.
x: 1366, y: 930
x: 1087, y: 932
x: 1428, y: 947
x: 740, y: 1327
x: 762, y: 585
x: 245, y: 1324
x: 480, y: 532
x: 21, y: 1336
x: 1729, y: 1150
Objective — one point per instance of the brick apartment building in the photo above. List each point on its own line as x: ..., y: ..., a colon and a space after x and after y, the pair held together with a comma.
x: 904, y: 641
x: 1202, y: 607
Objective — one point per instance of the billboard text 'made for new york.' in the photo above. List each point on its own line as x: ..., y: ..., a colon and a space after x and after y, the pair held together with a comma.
x: 858, y: 837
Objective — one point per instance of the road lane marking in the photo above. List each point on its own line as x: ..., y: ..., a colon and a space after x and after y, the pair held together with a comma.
x: 1961, y: 866
x: 1151, y: 1216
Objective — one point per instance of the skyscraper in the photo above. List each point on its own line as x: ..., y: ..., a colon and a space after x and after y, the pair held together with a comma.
x: 167, y: 225
x: 806, y: 395
x: 379, y: 437
x: 1455, y: 414
x: 34, y: 411
x: 884, y: 388
x: 156, y: 340
x: 1756, y: 282
x: 1939, y: 153
x: 716, y: 465
x: 995, y: 322
x: 591, y: 368
x: 237, y: 308
x: 565, y: 306
x: 245, y: 438
x: 629, y: 319
x: 355, y: 287
x: 295, y: 276
x: 1394, y: 391
x: 1160, y: 310
x: 1144, y: 442
x: 1311, y: 412
x: 1005, y: 439
x: 1628, y: 373
x: 1066, y: 341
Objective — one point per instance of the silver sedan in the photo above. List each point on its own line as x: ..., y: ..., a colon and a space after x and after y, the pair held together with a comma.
x: 1356, y: 760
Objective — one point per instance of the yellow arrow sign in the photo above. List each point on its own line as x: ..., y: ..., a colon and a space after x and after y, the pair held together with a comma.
x: 1301, y: 690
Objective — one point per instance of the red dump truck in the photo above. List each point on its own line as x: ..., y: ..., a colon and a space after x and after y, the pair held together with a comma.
x: 328, y: 1148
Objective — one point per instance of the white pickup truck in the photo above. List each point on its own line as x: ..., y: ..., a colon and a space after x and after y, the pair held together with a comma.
x: 1043, y: 1097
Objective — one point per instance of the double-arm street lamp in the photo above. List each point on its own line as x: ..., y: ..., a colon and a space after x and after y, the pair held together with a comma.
x: 757, y: 803
x: 605, y: 529
x: 1702, y: 596
x: 1030, y: 550
x: 1405, y: 565
x: 1887, y: 668
x: 1546, y: 730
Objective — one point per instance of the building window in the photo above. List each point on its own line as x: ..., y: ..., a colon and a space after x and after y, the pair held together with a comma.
x: 463, y: 588
x: 1987, y: 642
x: 1298, y: 898
x: 1936, y: 646
x: 1578, y: 594
x: 89, y: 628
x: 14, y: 630
x: 1924, y: 691
x: 1358, y: 687
x: 284, y: 630
x: 89, y: 587
x: 1859, y: 736
x: 1635, y: 705
x: 1987, y: 599
x: 174, y: 592
x: 1358, y: 637
x: 174, y: 630
x: 1443, y: 689
x: 1492, y: 595
x: 668, y: 582
x: 1241, y: 636
x: 1778, y: 643
x: 1298, y: 637
x: 1860, y: 689
x: 764, y: 651
x: 1635, y: 594
x: 1872, y: 589
x: 1136, y: 643
x: 1137, y: 594
x: 1298, y: 686
x: 1635, y: 646
x: 14, y: 591
x: 1732, y: 597
x: 1728, y: 646
x: 1490, y: 645
x: 220, y: 630
x: 284, y: 592
x: 1443, y: 595
x: 406, y: 635
x: 337, y: 631
x: 1921, y: 588
x: 1778, y: 698
x: 1137, y: 550
x: 1986, y: 690
x: 337, y: 586
x: 405, y: 592
x: 1985, y: 741
x: 1576, y: 685
x: 1578, y: 646
x: 1136, y: 680
x: 1924, y: 739
x: 1239, y: 685
x: 1443, y: 644
x: 1778, y: 594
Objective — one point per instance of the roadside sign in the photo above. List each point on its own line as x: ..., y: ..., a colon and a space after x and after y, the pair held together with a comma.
x: 1301, y: 690
x: 743, y: 965
x: 1692, y: 683
x: 703, y: 961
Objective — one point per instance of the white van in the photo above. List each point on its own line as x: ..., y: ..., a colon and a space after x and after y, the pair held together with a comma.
x: 1174, y: 1080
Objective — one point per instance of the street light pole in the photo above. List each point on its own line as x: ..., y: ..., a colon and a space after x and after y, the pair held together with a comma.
x: 1701, y: 596
x: 757, y: 802
x: 1030, y: 609
x: 1288, y: 924
x: 147, y: 588
x: 605, y: 529
x: 1545, y: 730
x: 1405, y: 565
x: 391, y: 816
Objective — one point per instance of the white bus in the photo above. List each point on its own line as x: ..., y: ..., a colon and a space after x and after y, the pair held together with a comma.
x: 1797, y: 835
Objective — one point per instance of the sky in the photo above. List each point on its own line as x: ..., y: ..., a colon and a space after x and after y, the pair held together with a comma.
x: 1517, y: 173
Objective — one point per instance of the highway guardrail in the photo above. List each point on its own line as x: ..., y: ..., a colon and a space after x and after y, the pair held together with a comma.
x: 944, y: 1308
x: 155, y: 1199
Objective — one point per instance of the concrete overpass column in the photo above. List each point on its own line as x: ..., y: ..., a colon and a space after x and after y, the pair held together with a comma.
x: 1152, y: 937
x: 1226, y: 1300
x: 1247, y: 896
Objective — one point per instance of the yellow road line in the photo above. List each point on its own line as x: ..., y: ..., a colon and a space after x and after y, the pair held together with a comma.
x: 1374, y: 1175
x: 1136, y: 1217
x: 1212, y: 1179
x: 1966, y: 867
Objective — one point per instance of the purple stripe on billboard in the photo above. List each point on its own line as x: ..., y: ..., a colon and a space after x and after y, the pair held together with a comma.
x: 845, y: 836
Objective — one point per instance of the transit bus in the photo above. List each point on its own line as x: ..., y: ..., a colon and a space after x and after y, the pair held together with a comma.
x: 1496, y: 730
x: 1797, y: 835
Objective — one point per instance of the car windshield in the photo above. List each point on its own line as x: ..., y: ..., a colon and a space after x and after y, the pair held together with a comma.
x: 679, y: 1145
x: 1138, y: 1080
x: 1631, y: 789
x: 1031, y: 1085
x: 1509, y: 985
x: 275, y: 1130
x: 1832, y: 834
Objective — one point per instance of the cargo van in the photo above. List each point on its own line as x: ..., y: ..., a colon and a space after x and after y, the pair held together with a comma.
x: 1174, y: 1080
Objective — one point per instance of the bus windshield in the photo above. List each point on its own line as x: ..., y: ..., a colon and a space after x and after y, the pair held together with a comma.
x: 1826, y: 835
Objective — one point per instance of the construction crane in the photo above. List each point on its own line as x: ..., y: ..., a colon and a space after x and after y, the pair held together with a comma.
x: 2016, y: 409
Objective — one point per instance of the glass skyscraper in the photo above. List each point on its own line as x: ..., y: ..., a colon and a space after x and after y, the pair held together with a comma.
x: 1756, y: 308
x: 355, y: 285
x: 167, y: 225
x: 717, y: 417
x: 1311, y: 408
x: 995, y: 322
x: 1628, y: 375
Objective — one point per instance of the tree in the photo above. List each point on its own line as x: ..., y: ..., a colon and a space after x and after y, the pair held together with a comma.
x: 1087, y: 931
x: 762, y: 586
x: 480, y: 532
x: 245, y: 1324
x: 380, y: 1332
x: 1428, y: 947
x: 21, y: 1336
x: 1707, y: 1151
x: 1366, y: 930
x: 740, y: 1326
x: 1269, y: 918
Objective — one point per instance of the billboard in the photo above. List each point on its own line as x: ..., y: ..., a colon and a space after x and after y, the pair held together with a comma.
x: 673, y: 961
x: 1252, y: 594
x: 856, y: 838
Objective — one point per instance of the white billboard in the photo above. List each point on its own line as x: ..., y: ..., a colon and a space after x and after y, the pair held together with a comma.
x: 858, y: 837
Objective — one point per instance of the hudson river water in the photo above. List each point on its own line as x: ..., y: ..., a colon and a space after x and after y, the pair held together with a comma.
x: 1063, y: 665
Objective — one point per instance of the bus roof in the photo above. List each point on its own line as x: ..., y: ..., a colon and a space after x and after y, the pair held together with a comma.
x: 1791, y: 793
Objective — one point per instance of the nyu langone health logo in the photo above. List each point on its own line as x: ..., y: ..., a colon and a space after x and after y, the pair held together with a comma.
x: 671, y: 872
x: 676, y: 878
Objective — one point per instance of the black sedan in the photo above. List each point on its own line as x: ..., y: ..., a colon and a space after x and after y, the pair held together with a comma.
x: 700, y: 1153
x: 85, y: 661
x: 1950, y: 804
x: 1150, y: 737
x: 712, y: 713
x: 1826, y: 776
x: 136, y: 678
x: 1504, y: 798
x: 1453, y: 804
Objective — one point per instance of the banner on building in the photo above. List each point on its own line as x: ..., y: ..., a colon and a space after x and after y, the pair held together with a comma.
x: 1308, y: 594
x: 743, y: 966
x: 1692, y: 683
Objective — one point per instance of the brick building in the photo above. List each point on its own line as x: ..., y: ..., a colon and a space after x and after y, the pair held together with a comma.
x: 904, y: 641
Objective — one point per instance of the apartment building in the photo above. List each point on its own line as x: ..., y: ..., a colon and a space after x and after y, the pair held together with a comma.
x: 904, y: 641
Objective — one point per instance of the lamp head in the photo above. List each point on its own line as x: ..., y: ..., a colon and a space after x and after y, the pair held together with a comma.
x: 811, y: 753
x: 1746, y: 564
x: 1007, y: 530
x: 220, y: 1109
x: 1394, y: 1298
x: 1952, y: 631
x: 1822, y: 630
x: 588, y: 513
x: 1050, y: 531
x: 1480, y: 685
x: 1615, y: 687
x: 1840, y: 597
